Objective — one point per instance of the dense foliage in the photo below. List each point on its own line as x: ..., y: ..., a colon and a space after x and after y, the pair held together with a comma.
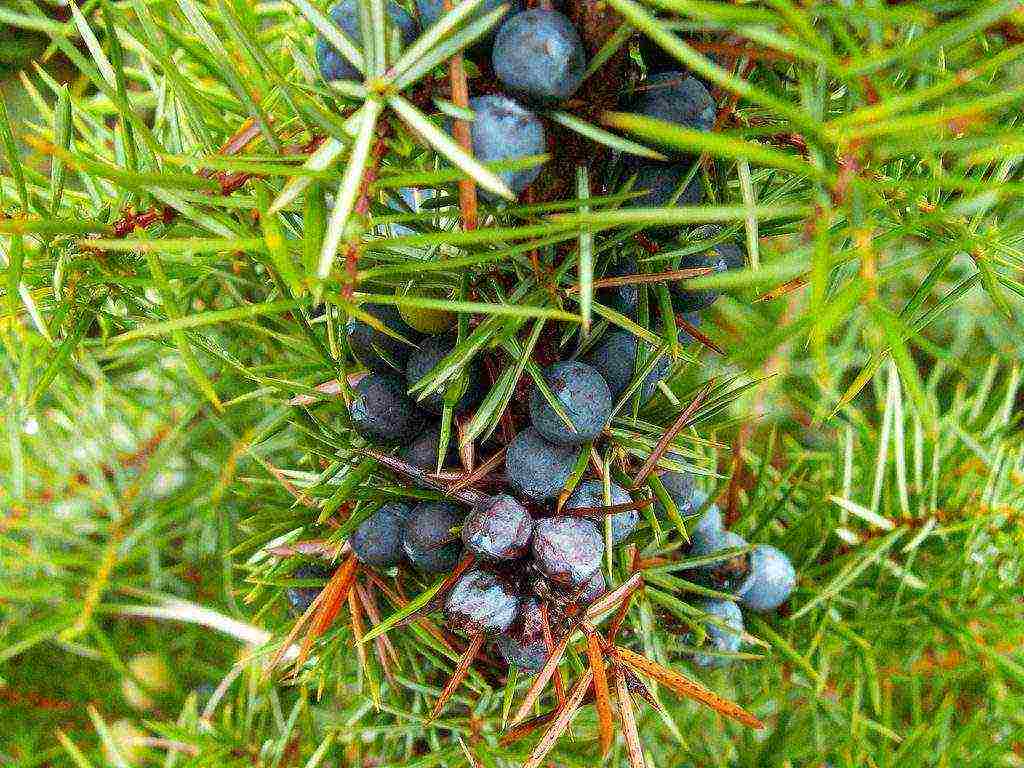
x: 188, y: 222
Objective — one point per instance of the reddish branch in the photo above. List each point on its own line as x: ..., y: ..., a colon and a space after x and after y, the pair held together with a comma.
x: 228, y: 181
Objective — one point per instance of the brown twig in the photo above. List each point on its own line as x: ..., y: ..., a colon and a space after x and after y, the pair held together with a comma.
x: 666, y: 439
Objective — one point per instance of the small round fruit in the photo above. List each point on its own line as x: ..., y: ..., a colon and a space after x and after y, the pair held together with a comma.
x: 593, y: 589
x: 498, y: 528
x: 614, y: 357
x: 622, y: 298
x: 590, y: 493
x: 375, y: 349
x: 506, y: 130
x: 721, y: 639
x: 567, y: 550
x: 378, y: 539
x: 675, y: 97
x: 300, y: 598
x: 583, y: 394
x: 728, y: 574
x: 522, y: 644
x: 427, y: 537
x: 429, y: 321
x: 382, y: 411
x: 661, y: 183
x: 721, y: 257
x: 536, y: 468
x: 482, y: 601
x: 334, y: 66
x: 708, y: 528
x: 432, y: 10
x: 422, y: 451
x: 539, y: 54
x: 771, y: 580
x: 679, y: 486
x: 431, y: 352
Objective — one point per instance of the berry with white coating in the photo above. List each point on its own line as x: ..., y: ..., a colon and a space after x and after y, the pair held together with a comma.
x: 721, y: 258
x: 422, y: 451
x: 522, y: 644
x: 727, y: 639
x: 536, y: 468
x: 482, y: 601
x: 679, y: 485
x: 662, y: 185
x: 675, y: 97
x: 584, y: 396
x: 300, y: 598
x: 377, y: 350
x: 421, y: 362
x: 770, y: 582
x: 498, y: 528
x: 503, y: 129
x: 622, y: 298
x: 538, y: 54
x: 432, y: 10
x: 728, y: 573
x: 614, y: 357
x: 567, y: 550
x: 334, y: 66
x: 708, y: 528
x: 590, y: 493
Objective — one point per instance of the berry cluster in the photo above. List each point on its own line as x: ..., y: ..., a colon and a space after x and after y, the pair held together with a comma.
x: 525, y: 561
x: 397, y: 358
x: 761, y: 578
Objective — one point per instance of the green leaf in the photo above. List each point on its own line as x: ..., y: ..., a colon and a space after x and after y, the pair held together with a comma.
x: 350, y: 186
x: 440, y: 141
x: 602, y: 136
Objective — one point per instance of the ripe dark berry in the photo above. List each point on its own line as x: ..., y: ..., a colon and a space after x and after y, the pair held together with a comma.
x: 721, y: 639
x: 584, y: 395
x: 378, y: 539
x: 498, y: 528
x: 422, y: 451
x: 726, y: 575
x: 679, y: 486
x: 376, y: 350
x: 382, y: 411
x: 590, y: 493
x: 536, y: 468
x: 660, y: 183
x: 300, y: 598
x: 423, y: 361
x: 482, y: 601
x: 593, y: 589
x: 431, y: 10
x: 427, y: 537
x: 770, y: 582
x: 708, y: 528
x: 522, y: 644
x: 539, y: 54
x: 614, y: 357
x: 622, y: 298
x: 567, y: 550
x: 334, y: 66
x: 675, y: 97
x: 505, y: 130
x: 721, y: 258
